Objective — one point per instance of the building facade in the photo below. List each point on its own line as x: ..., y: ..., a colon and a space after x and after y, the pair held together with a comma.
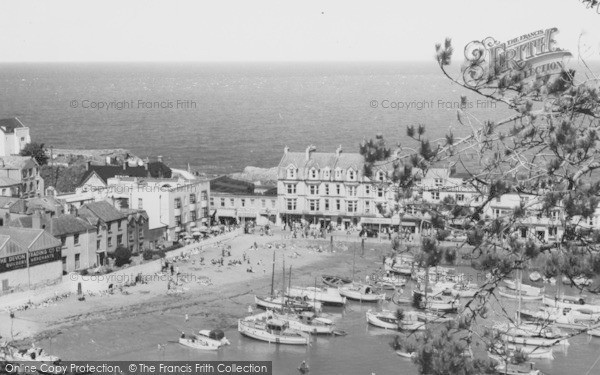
x: 25, y: 171
x: 14, y: 136
x: 332, y: 189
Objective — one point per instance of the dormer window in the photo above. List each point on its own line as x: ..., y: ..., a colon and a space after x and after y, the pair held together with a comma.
x: 338, y: 174
x: 313, y: 174
x: 326, y: 174
x: 380, y: 176
x: 351, y: 175
x: 291, y: 172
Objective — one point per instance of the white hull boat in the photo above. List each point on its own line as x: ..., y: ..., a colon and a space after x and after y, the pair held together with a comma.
x: 594, y: 332
x: 578, y: 303
x: 406, y: 354
x: 513, y: 294
x: 263, y: 327
x: 335, y: 281
x: 308, y: 322
x: 526, y: 290
x: 281, y: 303
x: 327, y: 296
x: 32, y: 354
x: 201, y: 342
x: 438, y: 302
x: 384, y: 319
x: 360, y: 292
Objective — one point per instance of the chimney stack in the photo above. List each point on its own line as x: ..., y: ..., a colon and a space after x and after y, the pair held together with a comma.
x: 125, y: 165
x: 159, y: 158
x: 36, y: 219
x: 88, y: 165
x: 310, y: 149
x: 286, y: 149
x: 338, y: 151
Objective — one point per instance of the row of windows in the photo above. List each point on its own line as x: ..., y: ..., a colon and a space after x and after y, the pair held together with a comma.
x: 336, y: 189
x: 179, y: 219
x: 243, y: 202
x: 328, y: 205
x: 325, y: 174
x: 29, y: 172
x: 192, y: 199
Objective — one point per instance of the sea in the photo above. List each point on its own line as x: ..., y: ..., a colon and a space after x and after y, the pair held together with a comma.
x: 220, y: 118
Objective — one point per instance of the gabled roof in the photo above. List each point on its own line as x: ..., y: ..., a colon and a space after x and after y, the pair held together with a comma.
x: 104, y: 172
x: 57, y: 226
x: 7, y: 182
x: 32, y: 239
x: 320, y: 160
x: 7, y: 202
x: 17, y: 162
x: 102, y: 210
x: 46, y: 203
x: 8, y: 125
x: 9, y: 247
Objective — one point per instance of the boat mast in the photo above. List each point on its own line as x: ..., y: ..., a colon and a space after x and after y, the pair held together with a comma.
x: 520, y: 297
x: 353, y: 260
x: 273, y: 277
x: 283, y: 284
x: 290, y: 281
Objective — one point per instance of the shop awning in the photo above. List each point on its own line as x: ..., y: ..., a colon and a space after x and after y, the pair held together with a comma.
x: 223, y: 212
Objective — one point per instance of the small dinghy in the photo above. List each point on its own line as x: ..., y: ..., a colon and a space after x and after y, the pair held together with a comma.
x: 335, y: 281
x: 361, y: 292
x: 204, y: 340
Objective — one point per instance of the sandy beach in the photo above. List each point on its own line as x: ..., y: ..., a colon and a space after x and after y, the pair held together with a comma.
x: 102, y: 319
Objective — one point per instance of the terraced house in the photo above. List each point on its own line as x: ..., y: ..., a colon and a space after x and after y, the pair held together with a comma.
x: 110, y: 225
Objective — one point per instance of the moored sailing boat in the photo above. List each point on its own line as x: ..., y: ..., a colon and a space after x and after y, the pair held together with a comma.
x: 265, y: 328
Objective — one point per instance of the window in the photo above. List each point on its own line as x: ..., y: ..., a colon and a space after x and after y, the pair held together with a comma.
x: 438, y: 182
x: 243, y: 202
x: 380, y: 192
x: 222, y: 202
x: 291, y: 188
x: 140, y: 203
x: 291, y: 204
x: 203, y: 196
x: 77, y: 263
x: 141, y: 233
x: 177, y: 202
x: 291, y: 172
x: 326, y: 174
x: 367, y: 207
x: 205, y: 212
x: 177, y: 220
x: 313, y: 204
x: 338, y: 204
x: 193, y: 215
x: 435, y: 195
x: 119, y: 225
x: 338, y: 189
x: 380, y: 175
x: 367, y: 190
x: 351, y: 190
x: 326, y: 189
x: 273, y: 203
x: 460, y: 197
x: 76, y: 239
x: 120, y: 239
x: 251, y: 202
x: 351, y: 175
x: 97, y: 244
x: 192, y: 198
x: 63, y: 240
x: 231, y: 202
x: 351, y: 206
x: 313, y: 189
x: 109, y: 241
x: 98, y: 230
x: 212, y: 201
x: 313, y: 173
x: 326, y: 204
x: 263, y: 203
x: 338, y: 174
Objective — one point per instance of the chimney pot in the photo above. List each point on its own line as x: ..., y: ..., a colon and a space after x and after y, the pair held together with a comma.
x: 309, y: 149
x: 159, y: 158
x: 338, y: 151
x: 286, y: 149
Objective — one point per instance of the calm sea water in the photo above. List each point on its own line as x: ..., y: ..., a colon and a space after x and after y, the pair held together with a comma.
x: 244, y: 113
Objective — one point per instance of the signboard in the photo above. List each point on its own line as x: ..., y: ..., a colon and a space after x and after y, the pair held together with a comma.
x: 18, y: 261
x: 13, y: 262
x: 44, y: 256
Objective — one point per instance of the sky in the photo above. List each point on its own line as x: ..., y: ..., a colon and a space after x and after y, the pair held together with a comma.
x: 267, y: 30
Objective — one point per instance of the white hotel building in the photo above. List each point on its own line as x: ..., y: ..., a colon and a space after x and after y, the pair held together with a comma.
x: 323, y: 188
